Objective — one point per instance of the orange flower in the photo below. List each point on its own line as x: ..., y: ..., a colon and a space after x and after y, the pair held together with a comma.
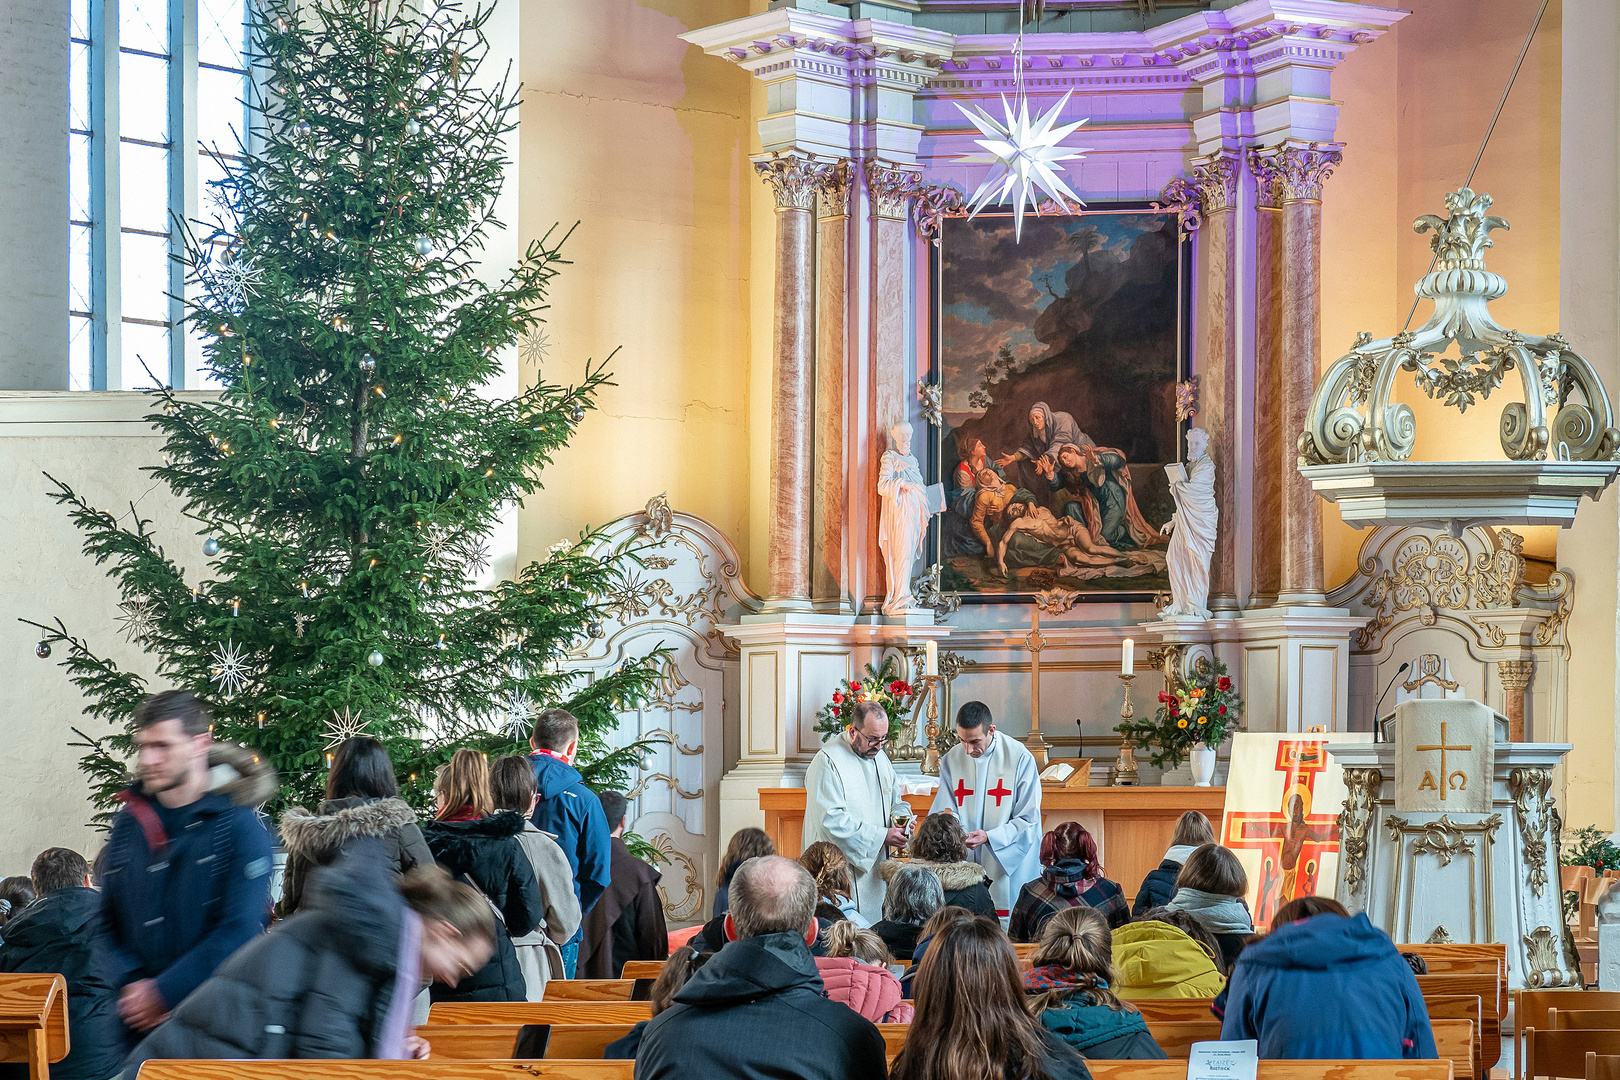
x: 1203, y: 719
x: 1183, y: 722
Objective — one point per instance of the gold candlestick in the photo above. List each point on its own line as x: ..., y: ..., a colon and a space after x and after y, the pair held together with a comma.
x: 930, y: 765
x: 1125, y: 768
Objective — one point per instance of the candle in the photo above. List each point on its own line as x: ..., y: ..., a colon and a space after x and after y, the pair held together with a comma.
x: 1127, y: 659
x: 930, y: 657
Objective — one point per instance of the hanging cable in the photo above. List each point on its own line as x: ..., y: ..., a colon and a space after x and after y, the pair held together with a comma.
x: 1506, y: 90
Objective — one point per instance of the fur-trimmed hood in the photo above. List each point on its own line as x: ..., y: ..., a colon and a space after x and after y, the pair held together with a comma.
x: 952, y: 875
x: 244, y: 776
x: 318, y: 836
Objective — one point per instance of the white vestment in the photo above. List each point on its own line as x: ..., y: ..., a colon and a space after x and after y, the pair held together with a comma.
x: 999, y: 792
x: 1192, y: 542
x: 848, y: 800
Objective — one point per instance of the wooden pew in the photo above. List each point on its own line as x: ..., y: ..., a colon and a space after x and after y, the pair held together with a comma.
x: 1281, y: 1070
x: 487, y: 1042
x: 1025, y: 949
x: 1176, y: 1038
x: 1467, y: 959
x: 539, y: 1012
x: 309, y: 1069
x: 1563, y: 1053
x: 1485, y: 988
x: 1175, y: 1010
x: 642, y: 969
x: 1602, y: 1066
x: 1454, y: 1040
x: 33, y: 1021
x: 589, y: 989
x: 1461, y: 1007
x: 1532, y: 1009
x: 1582, y: 1019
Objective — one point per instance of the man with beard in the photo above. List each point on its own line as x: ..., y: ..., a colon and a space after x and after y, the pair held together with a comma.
x: 186, y: 879
x: 850, y: 796
x: 990, y: 782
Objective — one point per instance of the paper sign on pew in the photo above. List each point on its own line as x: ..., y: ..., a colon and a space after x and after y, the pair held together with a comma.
x: 1224, y: 1060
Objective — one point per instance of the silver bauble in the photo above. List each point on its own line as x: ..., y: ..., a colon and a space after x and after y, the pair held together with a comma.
x: 577, y: 413
x: 210, y: 547
x: 43, y: 650
x: 375, y: 659
x: 424, y: 245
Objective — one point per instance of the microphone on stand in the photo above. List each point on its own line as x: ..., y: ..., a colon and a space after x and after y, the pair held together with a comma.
x: 1398, y: 672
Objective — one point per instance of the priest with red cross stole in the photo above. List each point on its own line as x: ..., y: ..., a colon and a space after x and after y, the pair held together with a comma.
x: 989, y: 781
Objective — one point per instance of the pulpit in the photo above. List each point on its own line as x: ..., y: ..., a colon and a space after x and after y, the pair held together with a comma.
x: 1435, y: 851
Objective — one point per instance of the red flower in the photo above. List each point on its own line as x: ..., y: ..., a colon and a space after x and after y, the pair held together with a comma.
x: 1223, y: 683
x: 894, y: 687
x: 1164, y: 697
x: 1223, y: 710
x: 838, y: 699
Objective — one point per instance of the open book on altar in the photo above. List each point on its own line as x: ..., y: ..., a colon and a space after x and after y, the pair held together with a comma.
x: 1075, y: 773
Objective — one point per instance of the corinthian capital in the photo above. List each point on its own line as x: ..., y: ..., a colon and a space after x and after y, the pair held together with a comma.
x: 833, y: 185
x: 794, y: 177
x: 891, y: 186
x: 935, y: 203
x: 1216, y: 177
x: 1293, y: 172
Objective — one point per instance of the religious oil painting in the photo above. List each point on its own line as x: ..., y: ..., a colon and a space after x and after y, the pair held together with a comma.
x: 1058, y: 359
x: 1282, y: 815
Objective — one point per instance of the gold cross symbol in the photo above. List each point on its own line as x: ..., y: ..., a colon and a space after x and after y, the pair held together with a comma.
x: 1442, y: 747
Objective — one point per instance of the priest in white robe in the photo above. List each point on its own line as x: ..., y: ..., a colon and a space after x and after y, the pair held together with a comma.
x: 850, y: 794
x: 989, y: 781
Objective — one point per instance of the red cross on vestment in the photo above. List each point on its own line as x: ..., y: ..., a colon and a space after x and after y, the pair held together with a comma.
x: 999, y: 791
x: 962, y: 792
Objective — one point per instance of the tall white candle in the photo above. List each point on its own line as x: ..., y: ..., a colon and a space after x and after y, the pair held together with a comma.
x: 1127, y: 660
x: 930, y: 657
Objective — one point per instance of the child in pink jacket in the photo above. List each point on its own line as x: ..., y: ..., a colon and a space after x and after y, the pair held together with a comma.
x: 855, y: 971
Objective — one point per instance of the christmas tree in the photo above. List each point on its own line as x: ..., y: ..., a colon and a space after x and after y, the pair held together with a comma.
x: 347, y: 477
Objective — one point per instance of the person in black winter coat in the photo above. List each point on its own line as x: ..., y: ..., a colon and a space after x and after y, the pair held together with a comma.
x: 483, y: 848
x: 765, y: 981
x: 362, y: 799
x: 339, y: 979
x: 186, y: 872
x: 1193, y: 830
x: 940, y: 847
x: 56, y: 933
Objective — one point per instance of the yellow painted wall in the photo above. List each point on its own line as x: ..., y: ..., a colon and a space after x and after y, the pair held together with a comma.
x: 1415, y: 105
x: 644, y: 141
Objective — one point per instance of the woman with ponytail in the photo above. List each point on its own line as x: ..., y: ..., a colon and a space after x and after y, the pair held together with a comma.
x: 1072, y: 877
x: 1071, y: 987
x: 835, y: 883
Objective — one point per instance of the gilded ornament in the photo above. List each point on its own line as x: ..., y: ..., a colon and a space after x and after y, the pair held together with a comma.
x: 1355, y: 823
x: 1528, y: 789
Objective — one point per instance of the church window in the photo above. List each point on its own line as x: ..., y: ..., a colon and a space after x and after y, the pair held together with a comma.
x: 156, y: 112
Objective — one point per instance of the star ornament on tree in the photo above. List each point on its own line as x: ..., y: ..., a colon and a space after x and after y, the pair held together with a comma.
x: 1028, y: 155
x: 230, y: 668
x: 343, y: 726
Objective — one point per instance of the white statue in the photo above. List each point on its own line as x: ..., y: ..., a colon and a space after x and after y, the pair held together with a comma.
x: 907, y: 506
x: 1191, y: 529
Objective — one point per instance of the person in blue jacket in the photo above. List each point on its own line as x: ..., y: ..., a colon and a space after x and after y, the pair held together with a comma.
x: 186, y: 871
x: 570, y: 811
x: 1325, y: 984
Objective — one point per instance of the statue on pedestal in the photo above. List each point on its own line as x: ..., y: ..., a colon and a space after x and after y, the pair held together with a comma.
x: 1191, y: 529
x: 907, y: 505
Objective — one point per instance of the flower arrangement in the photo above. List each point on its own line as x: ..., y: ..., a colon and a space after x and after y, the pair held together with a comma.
x: 1203, y: 709
x: 881, y: 685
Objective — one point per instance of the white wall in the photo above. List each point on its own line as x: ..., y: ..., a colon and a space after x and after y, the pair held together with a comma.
x: 34, y: 178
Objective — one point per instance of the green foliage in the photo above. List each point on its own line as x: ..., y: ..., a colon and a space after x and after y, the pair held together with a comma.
x: 356, y: 456
x: 881, y: 685
x: 1203, y: 709
x: 1590, y: 846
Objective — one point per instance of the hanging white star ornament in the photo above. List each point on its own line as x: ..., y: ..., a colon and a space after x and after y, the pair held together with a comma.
x: 234, y: 280
x: 476, y: 554
x: 1027, y: 153
x: 535, y: 347
x: 343, y: 725
x: 136, y: 617
x: 519, y: 715
x: 230, y: 668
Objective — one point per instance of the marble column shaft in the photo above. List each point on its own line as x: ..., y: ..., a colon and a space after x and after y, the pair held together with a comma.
x: 1266, y: 557
x: 1515, y: 678
x: 792, y: 179
x: 1216, y: 178
x: 829, y: 581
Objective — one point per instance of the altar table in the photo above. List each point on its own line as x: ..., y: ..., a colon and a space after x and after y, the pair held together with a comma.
x: 1133, y: 825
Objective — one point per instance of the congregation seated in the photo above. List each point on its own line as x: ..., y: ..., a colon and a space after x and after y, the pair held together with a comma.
x: 1193, y: 830
x: 339, y: 978
x: 1071, y: 876
x: 1166, y: 954
x: 1326, y: 984
x: 856, y: 972
x: 16, y: 893
x: 973, y: 1021
x: 682, y: 964
x: 940, y: 847
x: 913, y: 896
x: 938, y: 921
x: 470, y: 840
x: 57, y: 933
x: 732, y: 1016
x: 1210, y: 888
x: 539, y: 952
x: 835, y: 884
x: 1072, y: 993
